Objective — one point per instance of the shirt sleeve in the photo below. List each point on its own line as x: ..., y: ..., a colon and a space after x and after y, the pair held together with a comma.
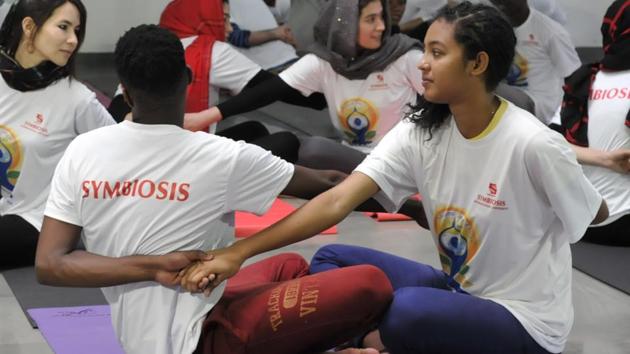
x: 230, y: 69
x: 562, y: 52
x: 256, y: 180
x: 62, y: 203
x: 305, y: 75
x: 389, y: 166
x: 91, y: 115
x: 555, y: 172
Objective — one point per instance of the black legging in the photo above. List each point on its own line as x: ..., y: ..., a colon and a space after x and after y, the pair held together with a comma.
x: 282, y: 144
x: 613, y: 234
x: 18, y: 242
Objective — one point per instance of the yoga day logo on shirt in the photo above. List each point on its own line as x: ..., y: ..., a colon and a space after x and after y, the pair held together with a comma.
x: 10, y: 158
x: 358, y: 118
x: 517, y: 76
x: 458, y: 243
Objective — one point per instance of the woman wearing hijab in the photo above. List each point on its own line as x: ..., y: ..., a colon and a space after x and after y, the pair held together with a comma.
x: 596, y: 121
x: 42, y: 109
x: 367, y: 76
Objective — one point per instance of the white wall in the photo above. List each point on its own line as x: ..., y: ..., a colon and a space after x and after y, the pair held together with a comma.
x: 108, y: 19
x: 584, y: 18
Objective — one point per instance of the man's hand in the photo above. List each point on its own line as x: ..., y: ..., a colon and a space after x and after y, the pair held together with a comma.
x: 618, y: 161
x: 172, y: 263
x: 207, y: 275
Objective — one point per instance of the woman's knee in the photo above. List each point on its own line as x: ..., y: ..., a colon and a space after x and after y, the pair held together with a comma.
x: 328, y: 257
x: 405, y: 318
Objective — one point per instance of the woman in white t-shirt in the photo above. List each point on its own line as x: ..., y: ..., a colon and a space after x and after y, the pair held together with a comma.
x: 504, y: 196
x: 596, y: 121
x: 366, y: 75
x: 42, y: 109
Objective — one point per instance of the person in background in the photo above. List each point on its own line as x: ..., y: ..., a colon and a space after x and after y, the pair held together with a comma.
x: 42, y: 109
x: 545, y: 56
x: 596, y: 121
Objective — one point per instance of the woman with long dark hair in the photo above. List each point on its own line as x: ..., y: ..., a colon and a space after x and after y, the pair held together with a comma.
x: 42, y: 108
x: 503, y: 194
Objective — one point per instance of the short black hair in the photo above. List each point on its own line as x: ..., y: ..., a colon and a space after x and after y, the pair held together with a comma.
x: 150, y: 59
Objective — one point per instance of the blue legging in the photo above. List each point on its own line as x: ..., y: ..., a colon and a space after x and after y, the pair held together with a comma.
x: 427, y: 317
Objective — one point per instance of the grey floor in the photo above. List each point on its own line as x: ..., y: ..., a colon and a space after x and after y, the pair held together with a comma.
x: 602, y: 313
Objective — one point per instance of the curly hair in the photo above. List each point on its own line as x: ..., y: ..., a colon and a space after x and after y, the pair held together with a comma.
x: 150, y: 59
x: 477, y: 28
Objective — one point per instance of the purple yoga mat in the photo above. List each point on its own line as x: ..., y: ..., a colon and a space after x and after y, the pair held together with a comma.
x: 74, y: 330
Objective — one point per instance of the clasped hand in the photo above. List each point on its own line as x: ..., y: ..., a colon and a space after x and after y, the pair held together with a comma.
x: 206, y: 274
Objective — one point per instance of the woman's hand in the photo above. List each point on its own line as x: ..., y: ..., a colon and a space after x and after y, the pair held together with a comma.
x: 207, y: 275
x: 200, y: 121
x: 171, y: 265
x: 618, y: 160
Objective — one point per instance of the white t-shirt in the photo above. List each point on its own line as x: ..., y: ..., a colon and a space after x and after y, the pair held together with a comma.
x: 35, y: 129
x: 254, y: 15
x: 545, y: 55
x: 362, y: 111
x: 502, y: 207
x: 608, y: 105
x: 424, y: 9
x: 154, y: 190
x: 229, y: 70
x: 281, y: 11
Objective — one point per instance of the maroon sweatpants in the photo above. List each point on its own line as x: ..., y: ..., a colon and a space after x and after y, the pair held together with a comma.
x: 273, y: 306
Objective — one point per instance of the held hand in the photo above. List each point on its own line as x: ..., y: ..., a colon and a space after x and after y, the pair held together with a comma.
x: 200, y: 121
x: 206, y: 276
x: 284, y: 34
x: 618, y: 160
x: 168, y: 273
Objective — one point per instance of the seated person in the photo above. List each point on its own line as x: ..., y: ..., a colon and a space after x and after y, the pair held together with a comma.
x: 153, y: 197
x: 544, y: 56
x: 43, y: 107
x: 601, y: 137
x: 504, y: 193
x: 217, y: 65
x: 367, y: 75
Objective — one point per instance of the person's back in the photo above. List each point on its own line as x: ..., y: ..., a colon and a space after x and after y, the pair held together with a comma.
x: 608, y: 106
x: 156, y: 189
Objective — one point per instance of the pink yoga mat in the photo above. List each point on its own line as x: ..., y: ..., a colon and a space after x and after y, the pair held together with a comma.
x: 391, y: 216
x: 248, y: 224
x: 77, y: 330
x: 387, y: 216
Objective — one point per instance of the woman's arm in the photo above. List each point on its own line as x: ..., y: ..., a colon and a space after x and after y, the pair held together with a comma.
x: 322, y: 212
x: 616, y: 160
